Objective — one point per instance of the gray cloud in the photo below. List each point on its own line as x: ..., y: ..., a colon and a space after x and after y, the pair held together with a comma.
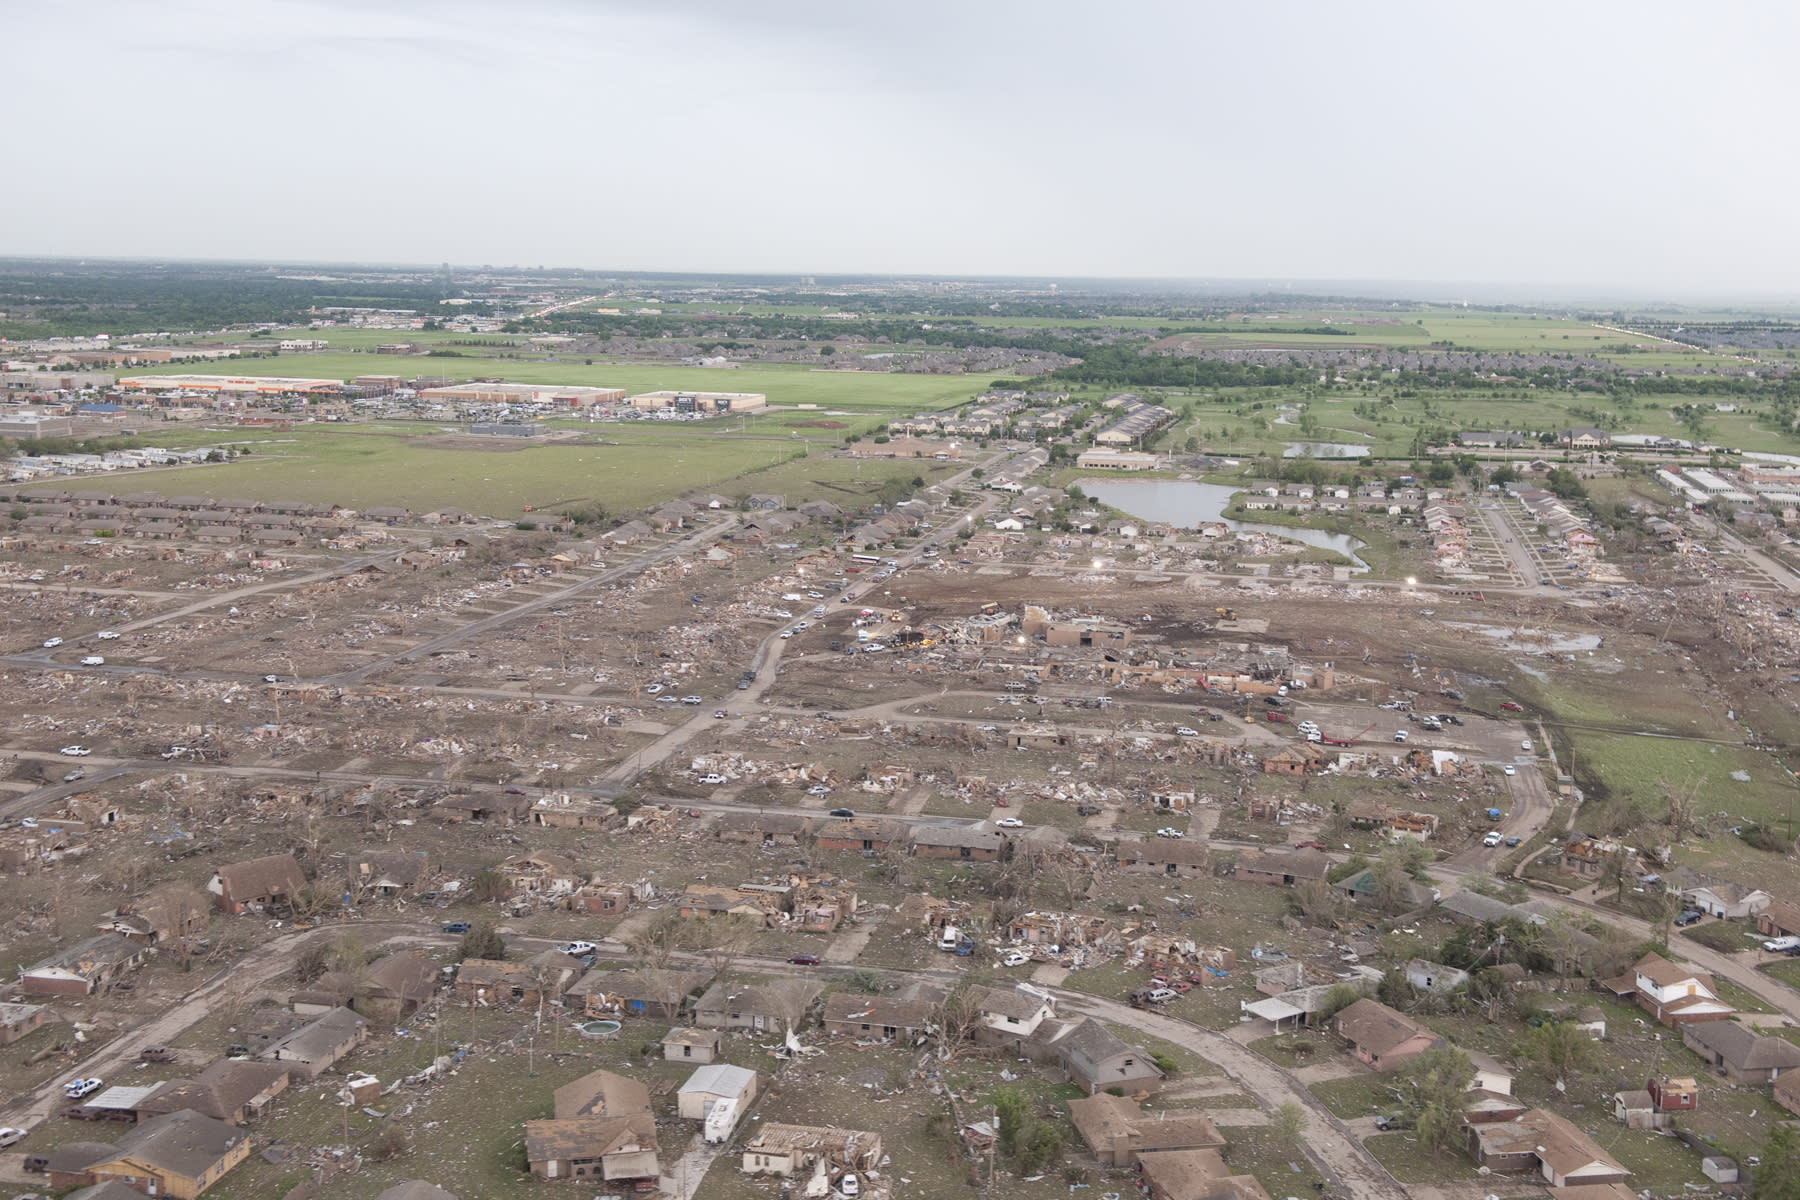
x: 1606, y: 145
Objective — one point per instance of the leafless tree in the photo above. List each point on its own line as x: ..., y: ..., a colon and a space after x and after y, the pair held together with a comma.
x: 654, y: 944
x: 956, y: 1019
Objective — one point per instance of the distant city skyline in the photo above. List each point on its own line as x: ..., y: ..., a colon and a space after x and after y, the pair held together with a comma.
x: 1589, y: 152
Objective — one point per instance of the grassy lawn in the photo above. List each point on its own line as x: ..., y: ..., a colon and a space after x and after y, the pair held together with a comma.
x: 1356, y: 1095
x: 358, y: 466
x: 783, y: 384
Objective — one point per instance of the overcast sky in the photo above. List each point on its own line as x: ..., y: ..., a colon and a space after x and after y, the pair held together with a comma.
x: 1641, y: 147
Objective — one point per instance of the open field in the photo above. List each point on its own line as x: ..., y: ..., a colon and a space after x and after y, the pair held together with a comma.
x: 358, y: 466
x: 887, y: 391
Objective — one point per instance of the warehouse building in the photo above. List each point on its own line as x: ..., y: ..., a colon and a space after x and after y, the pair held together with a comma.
x: 266, y: 385
x: 704, y: 402
x: 560, y: 395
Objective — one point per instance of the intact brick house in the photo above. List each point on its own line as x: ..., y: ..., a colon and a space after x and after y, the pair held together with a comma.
x: 259, y: 885
x: 1163, y: 856
x: 1740, y: 1053
x: 1382, y: 1038
x: 1283, y: 867
x: 1096, y: 1060
x: 1546, y: 1145
x: 866, y: 835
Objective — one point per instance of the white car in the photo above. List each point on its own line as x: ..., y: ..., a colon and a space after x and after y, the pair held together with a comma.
x: 849, y: 1187
x: 11, y: 1135
x: 107, y: 635
x: 799, y: 625
x: 577, y: 949
x: 784, y: 614
x: 52, y: 643
x: 93, y: 660
x: 668, y: 700
x: 1492, y: 839
x: 75, y: 1089
x: 816, y: 595
x: 1525, y: 745
x: 1781, y: 945
x: 1015, y: 958
x: 1168, y: 831
x: 873, y: 648
x: 818, y: 789
x: 1510, y: 770
x: 653, y: 689
x: 75, y: 751
x: 1400, y: 736
x: 786, y: 634
x: 1010, y: 823
x: 1184, y: 731
x: 712, y: 780
x: 692, y: 700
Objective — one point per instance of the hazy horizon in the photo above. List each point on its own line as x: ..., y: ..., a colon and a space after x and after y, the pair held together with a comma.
x: 1602, y: 153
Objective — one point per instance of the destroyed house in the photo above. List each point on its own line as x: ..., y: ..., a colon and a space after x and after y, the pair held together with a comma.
x: 648, y: 992
x: 601, y: 899
x: 788, y: 1150
x: 540, y: 875
x: 764, y: 829
x: 83, y: 969
x: 18, y: 1021
x: 762, y: 904
x: 493, y: 981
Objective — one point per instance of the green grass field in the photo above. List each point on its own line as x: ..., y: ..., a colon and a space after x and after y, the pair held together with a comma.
x: 359, y: 466
x: 881, y: 391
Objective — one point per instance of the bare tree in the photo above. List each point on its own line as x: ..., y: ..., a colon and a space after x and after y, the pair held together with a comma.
x: 654, y: 944
x: 957, y: 1018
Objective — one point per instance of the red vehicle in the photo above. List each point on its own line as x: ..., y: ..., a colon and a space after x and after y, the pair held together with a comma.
x: 1509, y: 706
x: 1001, y: 802
x: 1309, y: 845
x: 805, y: 960
x: 1279, y: 718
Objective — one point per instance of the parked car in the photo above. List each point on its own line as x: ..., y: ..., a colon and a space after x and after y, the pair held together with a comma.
x: 1510, y: 769
x: 75, y: 751
x: 107, y: 635
x: 692, y: 700
x: 1510, y: 706
x: 1525, y: 745
x: 1015, y: 958
x: 1088, y: 810
x: 1689, y: 916
x: 1010, y: 823
x: 843, y: 812
x: 1161, y: 995
x: 1184, y: 731
x: 11, y: 1135
x: 1780, y: 944
x: 457, y: 927
x: 849, y: 1187
x: 577, y: 949
x: 1400, y: 736
x: 1492, y: 839
x: 72, y: 776
x: 1309, y: 846
x: 804, y: 960
x: 52, y: 643
x: 818, y: 789
x: 653, y: 689
x: 1169, y: 832
x: 712, y: 780
x: 93, y: 660
x: 76, y: 1089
